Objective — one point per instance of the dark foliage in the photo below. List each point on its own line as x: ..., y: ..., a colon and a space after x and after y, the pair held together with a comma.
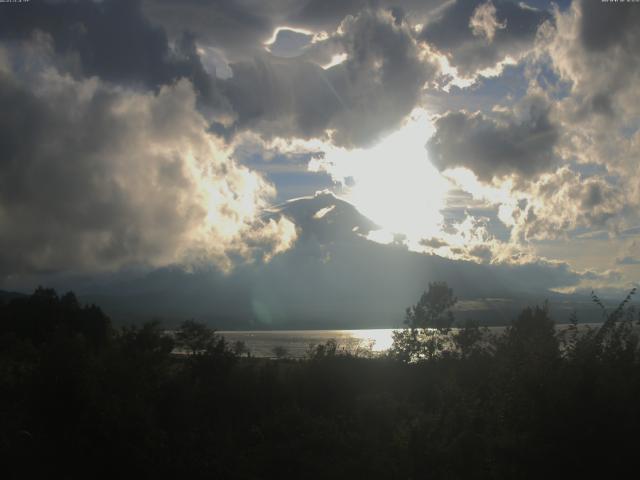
x: 79, y: 399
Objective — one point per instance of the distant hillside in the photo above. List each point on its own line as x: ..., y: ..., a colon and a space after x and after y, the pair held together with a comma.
x: 333, y: 277
x: 7, y: 296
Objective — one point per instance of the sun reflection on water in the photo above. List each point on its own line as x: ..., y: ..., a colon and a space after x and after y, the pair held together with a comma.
x: 380, y: 339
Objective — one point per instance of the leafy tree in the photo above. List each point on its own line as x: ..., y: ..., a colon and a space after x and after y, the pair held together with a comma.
x: 427, y: 324
x: 196, y: 337
x: 148, y: 339
x: 471, y: 339
x: 42, y: 315
x: 433, y: 310
x: 615, y: 340
x: 531, y: 337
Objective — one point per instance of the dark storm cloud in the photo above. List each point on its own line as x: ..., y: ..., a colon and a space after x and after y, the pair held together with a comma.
x: 520, y: 143
x: 368, y: 94
x: 608, y: 32
x: 281, y: 97
x: 110, y: 39
x: 604, y: 26
x: 325, y: 14
x: 238, y: 27
x: 55, y: 190
x: 595, y: 49
x: 502, y: 28
x: 155, y: 43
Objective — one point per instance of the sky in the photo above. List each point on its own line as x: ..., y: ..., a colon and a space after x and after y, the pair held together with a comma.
x: 318, y: 162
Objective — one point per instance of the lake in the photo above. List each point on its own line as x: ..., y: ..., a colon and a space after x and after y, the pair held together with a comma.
x: 297, y: 342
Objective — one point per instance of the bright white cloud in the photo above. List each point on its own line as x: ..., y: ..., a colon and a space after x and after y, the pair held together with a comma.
x: 96, y: 177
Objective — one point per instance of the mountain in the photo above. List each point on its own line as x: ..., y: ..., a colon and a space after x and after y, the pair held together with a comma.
x: 325, y: 218
x: 334, y: 277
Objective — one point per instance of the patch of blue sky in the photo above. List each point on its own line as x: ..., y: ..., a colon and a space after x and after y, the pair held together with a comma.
x: 505, y: 89
x: 487, y: 92
x: 511, y: 82
x: 289, y: 174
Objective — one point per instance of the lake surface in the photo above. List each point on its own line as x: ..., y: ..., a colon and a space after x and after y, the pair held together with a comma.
x: 296, y: 342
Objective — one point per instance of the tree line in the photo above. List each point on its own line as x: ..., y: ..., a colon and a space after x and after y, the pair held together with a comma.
x: 80, y: 398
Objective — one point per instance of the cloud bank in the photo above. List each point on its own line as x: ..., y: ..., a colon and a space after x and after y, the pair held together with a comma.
x: 96, y: 177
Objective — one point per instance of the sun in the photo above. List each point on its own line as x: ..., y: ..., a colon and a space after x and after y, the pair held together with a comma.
x: 394, y: 183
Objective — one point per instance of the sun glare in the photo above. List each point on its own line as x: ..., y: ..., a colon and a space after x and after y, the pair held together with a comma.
x: 379, y: 339
x: 394, y: 183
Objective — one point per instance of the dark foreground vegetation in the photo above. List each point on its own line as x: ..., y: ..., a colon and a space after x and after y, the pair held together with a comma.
x: 80, y: 399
